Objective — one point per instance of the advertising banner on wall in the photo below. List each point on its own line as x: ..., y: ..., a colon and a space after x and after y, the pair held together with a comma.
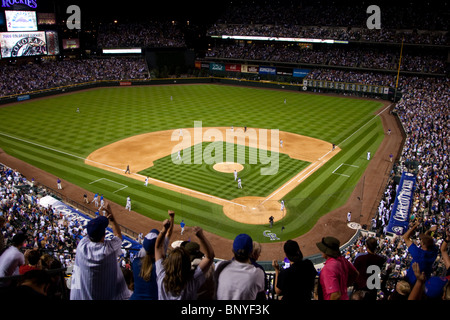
x: 216, y: 66
x: 284, y: 71
x: 233, y: 67
x: 399, y: 220
x: 300, y: 73
x: 249, y: 68
x: 267, y: 70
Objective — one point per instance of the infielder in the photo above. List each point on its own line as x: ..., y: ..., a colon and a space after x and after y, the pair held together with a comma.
x: 239, y: 183
x: 235, y: 175
x: 282, y: 205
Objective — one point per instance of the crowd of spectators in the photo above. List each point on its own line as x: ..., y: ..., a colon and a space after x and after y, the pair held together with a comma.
x: 423, y: 111
x: 343, y: 20
x: 368, y: 58
x: 140, y: 34
x: 27, y: 78
x: 332, y: 33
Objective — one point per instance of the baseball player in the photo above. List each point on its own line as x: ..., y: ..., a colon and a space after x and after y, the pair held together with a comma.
x: 146, y: 181
x: 239, y: 183
x: 128, y: 206
x: 128, y: 169
x: 102, y: 201
x: 281, y: 143
x: 368, y: 155
x: 179, y: 155
x: 235, y: 175
x: 58, y: 182
x: 282, y: 205
x: 95, y: 199
x: 182, y: 225
x: 349, y: 216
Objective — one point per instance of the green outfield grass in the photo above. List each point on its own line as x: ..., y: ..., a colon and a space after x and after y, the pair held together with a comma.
x: 51, y: 135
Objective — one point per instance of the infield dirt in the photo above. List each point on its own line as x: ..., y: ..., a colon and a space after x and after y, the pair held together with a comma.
x: 139, y: 152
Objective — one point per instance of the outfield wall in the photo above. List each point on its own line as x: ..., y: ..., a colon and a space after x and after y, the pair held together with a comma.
x: 319, y: 86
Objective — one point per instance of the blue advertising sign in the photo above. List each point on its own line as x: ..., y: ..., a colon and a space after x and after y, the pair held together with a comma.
x: 267, y: 70
x: 399, y: 220
x: 301, y: 73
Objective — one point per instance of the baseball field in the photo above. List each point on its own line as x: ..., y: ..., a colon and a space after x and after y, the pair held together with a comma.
x: 89, y: 137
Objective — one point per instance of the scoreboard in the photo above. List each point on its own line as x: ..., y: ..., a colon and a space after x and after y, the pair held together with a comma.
x: 24, y: 39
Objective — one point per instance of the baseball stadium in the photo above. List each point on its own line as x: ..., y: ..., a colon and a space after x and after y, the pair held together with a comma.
x: 293, y: 123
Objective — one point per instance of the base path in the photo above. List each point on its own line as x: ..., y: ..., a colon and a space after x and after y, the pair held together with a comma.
x: 139, y: 152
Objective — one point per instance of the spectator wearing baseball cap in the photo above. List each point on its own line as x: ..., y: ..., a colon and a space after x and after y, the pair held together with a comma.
x: 431, y: 288
x: 144, y: 271
x: 96, y: 272
x: 239, y: 279
x: 337, y: 273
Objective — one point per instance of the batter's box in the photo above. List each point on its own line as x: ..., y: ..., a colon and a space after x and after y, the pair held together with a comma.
x: 343, y: 169
x: 109, y: 182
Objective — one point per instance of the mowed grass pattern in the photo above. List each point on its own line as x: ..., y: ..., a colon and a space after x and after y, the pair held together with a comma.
x: 204, y: 178
x: 50, y: 134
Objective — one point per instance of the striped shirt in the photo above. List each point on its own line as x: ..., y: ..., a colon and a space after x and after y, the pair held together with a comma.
x: 96, y: 273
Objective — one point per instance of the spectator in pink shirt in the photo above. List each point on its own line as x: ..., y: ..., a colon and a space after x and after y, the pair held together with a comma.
x: 337, y: 273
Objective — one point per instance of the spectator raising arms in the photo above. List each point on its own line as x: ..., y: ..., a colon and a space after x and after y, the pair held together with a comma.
x: 96, y: 272
x: 176, y: 281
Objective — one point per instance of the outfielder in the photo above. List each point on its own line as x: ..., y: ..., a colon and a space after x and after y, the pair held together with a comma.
x: 235, y: 175
x: 239, y: 183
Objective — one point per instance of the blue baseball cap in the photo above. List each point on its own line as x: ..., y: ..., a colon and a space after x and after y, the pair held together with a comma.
x: 434, y: 287
x: 149, y: 241
x: 96, y: 228
x: 243, y: 243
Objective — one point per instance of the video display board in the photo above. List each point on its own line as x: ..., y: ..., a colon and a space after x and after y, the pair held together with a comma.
x: 20, y: 21
x: 22, y: 44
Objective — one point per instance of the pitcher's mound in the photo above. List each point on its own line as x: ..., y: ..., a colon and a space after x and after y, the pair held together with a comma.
x: 228, y: 167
